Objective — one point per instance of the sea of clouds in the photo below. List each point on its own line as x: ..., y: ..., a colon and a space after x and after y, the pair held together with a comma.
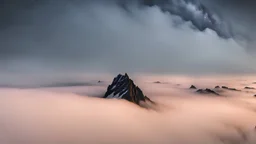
x: 66, y: 115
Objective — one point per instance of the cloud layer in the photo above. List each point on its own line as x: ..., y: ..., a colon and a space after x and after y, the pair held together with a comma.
x: 57, y: 116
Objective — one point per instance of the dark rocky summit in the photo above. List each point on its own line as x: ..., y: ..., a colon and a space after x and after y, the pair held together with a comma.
x: 207, y: 91
x: 224, y: 87
x: 249, y: 88
x: 217, y: 87
x: 123, y: 87
x: 157, y: 82
x: 232, y: 89
x: 192, y: 87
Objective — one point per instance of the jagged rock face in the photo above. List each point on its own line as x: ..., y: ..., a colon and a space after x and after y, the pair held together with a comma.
x: 249, y: 88
x: 232, y: 89
x: 224, y: 87
x: 217, y: 87
x: 192, y: 87
x: 123, y: 87
x: 207, y: 91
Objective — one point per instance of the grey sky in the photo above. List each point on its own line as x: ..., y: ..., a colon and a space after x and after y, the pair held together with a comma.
x: 53, y: 37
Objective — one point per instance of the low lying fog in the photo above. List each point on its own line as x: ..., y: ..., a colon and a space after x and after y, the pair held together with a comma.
x: 63, y: 115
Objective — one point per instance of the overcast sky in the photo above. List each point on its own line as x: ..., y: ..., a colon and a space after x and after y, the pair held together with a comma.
x: 40, y: 37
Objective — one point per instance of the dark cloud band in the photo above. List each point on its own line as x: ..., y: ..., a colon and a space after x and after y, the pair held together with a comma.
x: 195, y: 12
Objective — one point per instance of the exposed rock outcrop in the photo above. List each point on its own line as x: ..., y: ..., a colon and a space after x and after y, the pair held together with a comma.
x: 232, y: 89
x: 224, y: 87
x: 207, y: 91
x: 249, y: 88
x: 123, y: 87
x: 192, y: 87
x: 217, y: 87
x: 157, y: 82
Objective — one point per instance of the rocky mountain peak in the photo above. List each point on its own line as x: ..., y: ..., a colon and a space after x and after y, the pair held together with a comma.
x: 122, y: 87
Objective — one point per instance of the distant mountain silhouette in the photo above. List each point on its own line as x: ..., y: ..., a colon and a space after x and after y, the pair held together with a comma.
x: 192, y: 87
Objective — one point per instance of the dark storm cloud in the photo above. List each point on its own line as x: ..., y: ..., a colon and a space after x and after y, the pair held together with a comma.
x: 194, y: 11
x: 189, y: 10
x: 124, y: 36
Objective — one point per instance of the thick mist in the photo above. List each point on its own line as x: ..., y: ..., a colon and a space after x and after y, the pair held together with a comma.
x: 68, y: 39
x: 62, y: 115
